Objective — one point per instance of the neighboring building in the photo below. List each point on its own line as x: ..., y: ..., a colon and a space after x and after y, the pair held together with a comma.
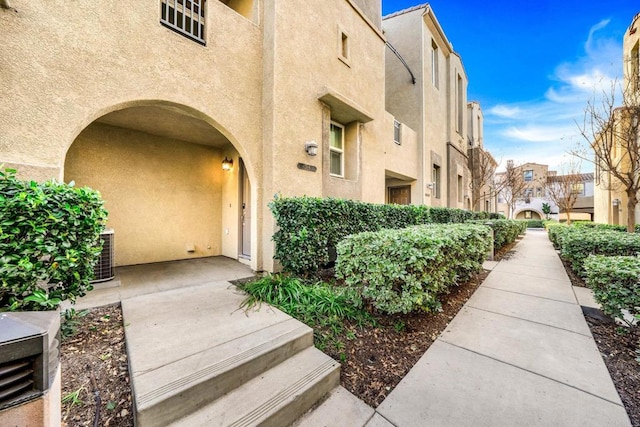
x: 610, y: 198
x: 426, y: 88
x: 148, y: 104
x: 537, y: 178
x: 481, y: 163
x: 582, y: 185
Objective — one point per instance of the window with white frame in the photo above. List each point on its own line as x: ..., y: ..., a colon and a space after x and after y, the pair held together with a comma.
x: 396, y: 132
x: 185, y: 17
x: 336, y: 150
x: 435, y: 176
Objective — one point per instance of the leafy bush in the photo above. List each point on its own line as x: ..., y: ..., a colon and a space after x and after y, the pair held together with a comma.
x: 535, y: 223
x: 598, y: 226
x: 556, y: 231
x: 309, y: 227
x: 505, y: 231
x: 49, y: 242
x: 404, y: 270
x: 615, y: 281
x: 578, y: 243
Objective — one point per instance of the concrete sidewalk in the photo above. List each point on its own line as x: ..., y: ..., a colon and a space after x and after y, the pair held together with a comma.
x: 518, y: 353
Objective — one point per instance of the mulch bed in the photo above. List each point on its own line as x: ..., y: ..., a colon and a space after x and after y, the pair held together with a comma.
x: 94, y: 365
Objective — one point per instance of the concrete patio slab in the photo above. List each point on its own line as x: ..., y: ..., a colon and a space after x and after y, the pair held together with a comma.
x: 340, y: 408
x: 556, y: 289
x: 541, y: 349
x: 545, y: 311
x: 451, y: 386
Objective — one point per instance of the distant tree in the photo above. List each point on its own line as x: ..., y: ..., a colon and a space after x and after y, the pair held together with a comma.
x: 512, y: 185
x: 546, y: 209
x: 612, y: 134
x: 483, y: 184
x: 565, y: 188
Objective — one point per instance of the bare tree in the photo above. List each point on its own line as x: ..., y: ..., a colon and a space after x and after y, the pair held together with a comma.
x: 564, y: 189
x: 612, y: 134
x: 483, y: 185
x: 512, y: 185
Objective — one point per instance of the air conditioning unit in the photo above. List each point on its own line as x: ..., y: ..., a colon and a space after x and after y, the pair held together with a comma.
x: 104, y: 269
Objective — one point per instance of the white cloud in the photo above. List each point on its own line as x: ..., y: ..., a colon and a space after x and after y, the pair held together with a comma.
x: 502, y: 110
x: 539, y: 133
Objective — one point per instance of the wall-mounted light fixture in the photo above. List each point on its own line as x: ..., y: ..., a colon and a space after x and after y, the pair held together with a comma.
x: 615, y: 202
x: 227, y: 164
x: 431, y: 185
x: 311, y: 147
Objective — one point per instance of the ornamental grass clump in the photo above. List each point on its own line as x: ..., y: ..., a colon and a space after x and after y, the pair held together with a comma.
x: 404, y: 270
x: 49, y: 242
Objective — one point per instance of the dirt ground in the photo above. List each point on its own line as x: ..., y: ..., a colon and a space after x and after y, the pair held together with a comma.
x: 95, y: 370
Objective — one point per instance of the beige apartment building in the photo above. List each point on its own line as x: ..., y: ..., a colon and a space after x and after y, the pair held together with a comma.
x: 482, y: 165
x: 610, y: 198
x: 426, y: 88
x: 189, y: 116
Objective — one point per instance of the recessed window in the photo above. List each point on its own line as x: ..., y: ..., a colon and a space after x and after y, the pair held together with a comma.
x: 538, y: 192
x: 528, y: 175
x: 459, y: 102
x: 185, y: 17
x: 396, y: 132
x: 577, y: 188
x: 344, y: 52
x: 635, y: 67
x: 336, y: 150
x: 434, y: 64
x: 435, y: 176
x: 460, y: 194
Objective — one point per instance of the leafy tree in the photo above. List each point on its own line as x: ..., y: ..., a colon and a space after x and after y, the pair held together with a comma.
x: 546, y: 209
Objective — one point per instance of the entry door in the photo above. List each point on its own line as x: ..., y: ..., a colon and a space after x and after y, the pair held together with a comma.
x: 400, y: 195
x: 245, y: 216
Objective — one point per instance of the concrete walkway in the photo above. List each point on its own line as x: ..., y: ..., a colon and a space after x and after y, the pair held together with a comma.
x: 518, y: 353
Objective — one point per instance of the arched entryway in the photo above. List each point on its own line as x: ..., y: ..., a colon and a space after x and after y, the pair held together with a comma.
x: 528, y: 214
x: 159, y: 168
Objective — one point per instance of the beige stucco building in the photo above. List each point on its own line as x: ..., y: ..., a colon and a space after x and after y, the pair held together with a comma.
x: 146, y: 103
x: 610, y: 197
x: 426, y: 88
x: 482, y: 165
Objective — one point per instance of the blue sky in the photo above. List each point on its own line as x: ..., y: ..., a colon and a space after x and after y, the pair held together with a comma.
x: 533, y: 66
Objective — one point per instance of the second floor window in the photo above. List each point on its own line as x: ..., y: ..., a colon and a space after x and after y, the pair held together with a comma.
x: 396, y: 132
x: 528, y: 175
x: 185, y: 17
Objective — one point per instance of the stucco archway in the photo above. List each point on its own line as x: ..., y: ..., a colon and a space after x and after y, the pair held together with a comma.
x: 534, y: 214
x: 158, y: 166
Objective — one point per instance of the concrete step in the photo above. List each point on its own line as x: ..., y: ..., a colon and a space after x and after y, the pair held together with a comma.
x: 277, y: 397
x: 183, y: 386
x: 340, y: 408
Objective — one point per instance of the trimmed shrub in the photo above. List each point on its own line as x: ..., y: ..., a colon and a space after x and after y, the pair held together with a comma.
x: 578, y: 243
x: 404, y: 270
x: 555, y: 231
x: 49, y: 242
x: 535, y: 223
x: 505, y: 231
x: 615, y: 281
x: 309, y: 227
x: 598, y: 226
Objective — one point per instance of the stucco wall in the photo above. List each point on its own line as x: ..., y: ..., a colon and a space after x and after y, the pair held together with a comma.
x: 162, y: 194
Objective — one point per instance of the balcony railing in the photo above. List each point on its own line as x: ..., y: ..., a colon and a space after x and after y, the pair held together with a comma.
x: 186, y: 17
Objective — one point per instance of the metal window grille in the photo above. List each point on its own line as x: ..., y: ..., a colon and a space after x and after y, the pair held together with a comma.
x: 396, y: 132
x: 185, y: 17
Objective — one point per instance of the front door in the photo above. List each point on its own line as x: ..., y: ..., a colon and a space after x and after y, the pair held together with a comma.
x: 245, y: 214
x: 400, y: 195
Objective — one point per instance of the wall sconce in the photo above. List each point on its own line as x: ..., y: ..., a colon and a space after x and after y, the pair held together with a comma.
x: 227, y: 164
x: 615, y: 202
x: 431, y: 185
x: 311, y: 147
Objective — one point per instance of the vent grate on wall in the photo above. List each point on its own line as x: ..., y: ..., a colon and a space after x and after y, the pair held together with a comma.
x: 16, y: 380
x: 104, y: 269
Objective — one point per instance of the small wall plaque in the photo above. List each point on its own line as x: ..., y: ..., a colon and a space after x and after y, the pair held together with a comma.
x: 309, y: 168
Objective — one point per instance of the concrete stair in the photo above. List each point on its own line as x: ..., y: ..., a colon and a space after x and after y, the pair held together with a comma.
x: 201, y: 361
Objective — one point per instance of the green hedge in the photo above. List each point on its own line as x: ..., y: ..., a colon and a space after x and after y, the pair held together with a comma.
x: 49, y: 242
x: 555, y: 231
x: 615, y: 281
x: 535, y: 223
x: 404, y: 270
x: 505, y: 231
x: 309, y: 227
x: 578, y: 243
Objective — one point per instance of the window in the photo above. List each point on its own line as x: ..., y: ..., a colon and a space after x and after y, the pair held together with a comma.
x: 434, y: 65
x: 538, y: 192
x: 435, y: 175
x: 528, y: 192
x: 185, y: 17
x: 336, y: 150
x: 396, y: 132
x: 527, y: 214
x: 635, y: 67
x: 343, y: 46
x: 528, y: 175
x: 577, y: 188
x: 460, y: 195
x: 459, y: 110
x: 487, y: 206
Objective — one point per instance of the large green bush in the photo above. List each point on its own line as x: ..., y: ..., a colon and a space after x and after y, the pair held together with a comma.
x: 615, y: 281
x: 49, y: 242
x: 556, y: 231
x: 308, y: 228
x: 578, y: 243
x: 404, y: 270
x: 505, y: 231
